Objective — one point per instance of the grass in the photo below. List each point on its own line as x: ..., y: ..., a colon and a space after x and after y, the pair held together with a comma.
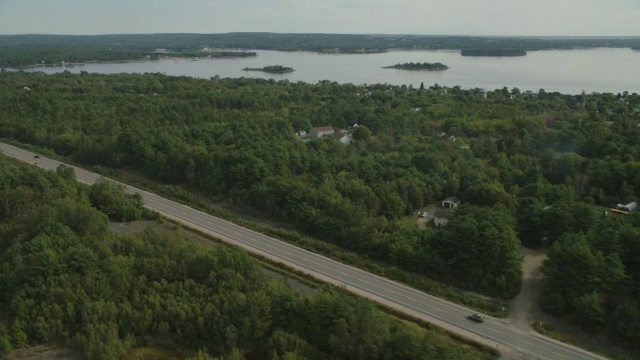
x: 147, y: 353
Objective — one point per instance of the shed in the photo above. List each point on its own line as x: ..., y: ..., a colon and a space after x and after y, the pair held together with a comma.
x: 450, y: 202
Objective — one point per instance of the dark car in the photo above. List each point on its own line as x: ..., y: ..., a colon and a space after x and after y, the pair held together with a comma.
x: 36, y: 156
x: 476, y: 317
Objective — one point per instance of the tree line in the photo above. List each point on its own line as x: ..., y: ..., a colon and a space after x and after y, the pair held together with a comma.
x: 22, y: 50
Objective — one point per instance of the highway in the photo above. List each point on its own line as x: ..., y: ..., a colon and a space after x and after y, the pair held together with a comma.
x: 492, y: 332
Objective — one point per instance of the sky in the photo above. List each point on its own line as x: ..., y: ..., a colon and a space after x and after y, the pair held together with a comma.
x: 425, y: 17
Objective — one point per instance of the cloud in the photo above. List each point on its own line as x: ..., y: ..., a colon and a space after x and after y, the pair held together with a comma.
x: 455, y: 17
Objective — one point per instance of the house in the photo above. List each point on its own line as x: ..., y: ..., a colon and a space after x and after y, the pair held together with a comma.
x: 450, y: 202
x: 301, y: 133
x: 322, y: 131
x: 441, y: 216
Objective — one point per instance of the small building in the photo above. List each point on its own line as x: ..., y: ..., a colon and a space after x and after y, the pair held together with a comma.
x: 441, y: 216
x: 322, y: 131
x: 301, y: 133
x: 450, y: 202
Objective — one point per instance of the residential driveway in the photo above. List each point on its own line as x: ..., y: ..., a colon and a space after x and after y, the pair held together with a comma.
x: 525, y: 310
x: 422, y: 221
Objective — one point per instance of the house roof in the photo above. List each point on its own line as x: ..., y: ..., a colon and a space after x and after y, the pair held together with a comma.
x: 442, y: 213
x: 452, y: 199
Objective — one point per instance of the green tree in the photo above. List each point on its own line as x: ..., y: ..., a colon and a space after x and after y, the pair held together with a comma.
x: 5, y: 346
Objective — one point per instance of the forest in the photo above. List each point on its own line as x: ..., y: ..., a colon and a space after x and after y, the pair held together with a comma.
x: 65, y: 279
x: 535, y: 169
x: 27, y: 50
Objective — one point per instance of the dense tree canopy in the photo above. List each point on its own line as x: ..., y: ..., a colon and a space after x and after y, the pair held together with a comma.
x: 65, y: 279
x: 533, y: 155
x: 538, y: 167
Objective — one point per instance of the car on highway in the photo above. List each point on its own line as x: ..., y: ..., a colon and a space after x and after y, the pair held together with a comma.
x: 476, y: 317
x: 36, y: 156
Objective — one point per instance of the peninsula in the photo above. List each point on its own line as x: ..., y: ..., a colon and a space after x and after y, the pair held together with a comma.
x: 274, y: 69
x: 419, y: 66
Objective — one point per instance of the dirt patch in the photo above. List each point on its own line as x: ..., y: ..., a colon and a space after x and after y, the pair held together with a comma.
x: 45, y: 352
x: 136, y: 226
x: 525, y: 307
x: 292, y: 283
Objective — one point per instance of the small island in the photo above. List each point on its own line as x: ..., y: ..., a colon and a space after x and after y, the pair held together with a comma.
x: 419, y: 66
x: 493, y: 52
x: 273, y: 69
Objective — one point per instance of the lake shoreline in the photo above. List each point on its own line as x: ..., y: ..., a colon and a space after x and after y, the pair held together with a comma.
x: 128, y: 61
x: 602, y: 70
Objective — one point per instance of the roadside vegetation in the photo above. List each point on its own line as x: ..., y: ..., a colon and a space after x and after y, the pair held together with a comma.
x: 537, y: 169
x: 65, y: 279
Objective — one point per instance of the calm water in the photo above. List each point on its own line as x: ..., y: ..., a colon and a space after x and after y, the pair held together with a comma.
x: 566, y: 71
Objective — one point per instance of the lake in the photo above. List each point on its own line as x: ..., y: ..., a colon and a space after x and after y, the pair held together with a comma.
x: 565, y: 71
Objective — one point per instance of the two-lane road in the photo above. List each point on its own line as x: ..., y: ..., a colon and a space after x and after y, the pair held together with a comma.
x: 410, y: 301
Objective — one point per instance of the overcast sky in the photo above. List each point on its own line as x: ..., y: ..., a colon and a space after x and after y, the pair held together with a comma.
x: 430, y: 17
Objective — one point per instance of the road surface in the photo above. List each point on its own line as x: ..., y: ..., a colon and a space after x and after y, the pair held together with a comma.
x: 492, y: 332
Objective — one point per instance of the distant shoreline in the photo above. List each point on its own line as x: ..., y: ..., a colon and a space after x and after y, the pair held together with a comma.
x: 147, y: 58
x: 493, y: 52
